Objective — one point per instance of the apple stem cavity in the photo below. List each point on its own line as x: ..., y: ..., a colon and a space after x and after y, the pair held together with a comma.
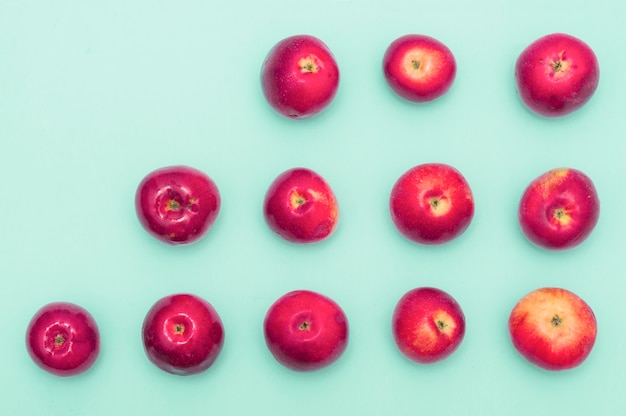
x: 441, y: 325
x: 308, y: 64
x: 59, y: 340
x: 172, y: 205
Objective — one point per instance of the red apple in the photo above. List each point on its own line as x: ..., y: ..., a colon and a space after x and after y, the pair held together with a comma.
x: 419, y: 68
x: 182, y: 334
x: 559, y: 209
x: 553, y: 328
x: 556, y: 74
x: 63, y: 339
x: 305, y: 330
x: 177, y: 204
x: 299, y: 77
x: 431, y: 203
x: 301, y: 207
x: 428, y: 325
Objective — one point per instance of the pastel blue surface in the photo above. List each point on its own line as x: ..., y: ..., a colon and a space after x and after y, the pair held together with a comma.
x: 93, y: 97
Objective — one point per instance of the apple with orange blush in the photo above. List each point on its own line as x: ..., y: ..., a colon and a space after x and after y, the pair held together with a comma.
x: 559, y: 209
x: 428, y: 325
x: 553, y: 328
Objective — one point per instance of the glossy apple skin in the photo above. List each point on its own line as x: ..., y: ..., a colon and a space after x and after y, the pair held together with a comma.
x: 177, y: 204
x: 553, y: 328
x: 428, y: 325
x: 182, y: 334
x: 556, y: 75
x: 301, y: 207
x: 63, y: 339
x: 559, y: 209
x: 299, y: 76
x: 419, y: 68
x: 431, y: 203
x: 305, y: 330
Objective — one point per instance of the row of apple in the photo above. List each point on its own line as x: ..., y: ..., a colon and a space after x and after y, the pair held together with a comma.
x: 431, y: 203
x: 555, y: 75
x: 183, y: 334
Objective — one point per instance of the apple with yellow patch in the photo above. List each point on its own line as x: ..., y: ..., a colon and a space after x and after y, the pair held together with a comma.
x: 419, y: 68
x: 301, y: 207
x: 559, y: 209
x: 553, y: 328
x: 428, y: 325
x: 431, y: 203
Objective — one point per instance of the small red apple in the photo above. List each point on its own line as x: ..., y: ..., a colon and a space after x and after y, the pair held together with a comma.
x: 182, y: 334
x: 556, y: 74
x: 428, y: 325
x: 559, y: 209
x: 301, y: 207
x: 177, y: 204
x: 419, y: 68
x: 431, y: 203
x: 63, y: 339
x: 305, y: 330
x: 553, y: 328
x: 299, y: 76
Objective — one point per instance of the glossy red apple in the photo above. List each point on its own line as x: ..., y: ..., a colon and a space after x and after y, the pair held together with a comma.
x: 428, y: 325
x: 553, y: 328
x: 301, y: 207
x: 299, y: 76
x: 63, y: 339
x: 419, y: 68
x: 177, y: 204
x: 182, y: 334
x: 305, y: 330
x: 559, y: 209
x: 431, y: 203
x: 556, y: 74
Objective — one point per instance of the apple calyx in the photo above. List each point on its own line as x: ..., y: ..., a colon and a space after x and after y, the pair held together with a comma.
x: 416, y: 64
x: 556, y: 321
x: 59, y: 340
x: 439, y: 205
x: 309, y: 64
x: 560, y: 65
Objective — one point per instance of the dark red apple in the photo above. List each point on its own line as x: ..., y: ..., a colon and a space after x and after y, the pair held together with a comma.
x: 556, y: 74
x: 428, y: 325
x: 559, y: 209
x: 553, y: 328
x: 431, y: 203
x: 182, y: 334
x: 299, y: 76
x: 305, y: 330
x: 301, y: 207
x: 419, y: 68
x: 177, y: 204
x: 63, y: 339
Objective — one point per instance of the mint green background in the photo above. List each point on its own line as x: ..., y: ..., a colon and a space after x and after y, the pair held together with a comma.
x: 95, y: 95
